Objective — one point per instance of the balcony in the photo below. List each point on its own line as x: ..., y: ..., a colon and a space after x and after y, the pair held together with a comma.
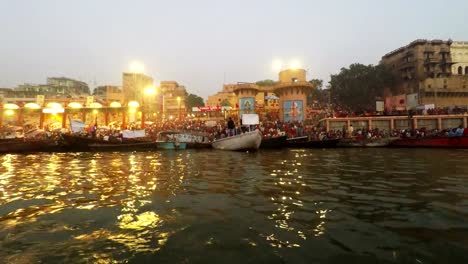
x: 406, y: 65
x: 431, y: 61
x: 429, y: 49
x: 446, y: 61
x: 444, y: 50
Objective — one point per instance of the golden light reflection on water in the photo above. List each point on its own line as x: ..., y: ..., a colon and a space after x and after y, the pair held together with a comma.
x: 91, y: 182
x: 287, y: 199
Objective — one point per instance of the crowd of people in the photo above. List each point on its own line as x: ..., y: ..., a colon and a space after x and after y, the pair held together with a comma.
x: 232, y: 126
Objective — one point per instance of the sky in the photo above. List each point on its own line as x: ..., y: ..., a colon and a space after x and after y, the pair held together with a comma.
x: 205, y: 43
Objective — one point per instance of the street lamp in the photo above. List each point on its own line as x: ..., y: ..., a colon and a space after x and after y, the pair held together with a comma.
x: 150, y: 92
x: 178, y: 101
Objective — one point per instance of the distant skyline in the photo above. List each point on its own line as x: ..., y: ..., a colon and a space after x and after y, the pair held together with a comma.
x: 203, y: 44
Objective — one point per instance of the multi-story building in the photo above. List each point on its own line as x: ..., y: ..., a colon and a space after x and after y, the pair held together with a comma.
x: 174, y: 98
x: 56, y: 86
x: 109, y: 93
x: 285, y: 99
x: 225, y: 95
x: 134, y: 86
x: 434, y: 71
x: 459, y: 51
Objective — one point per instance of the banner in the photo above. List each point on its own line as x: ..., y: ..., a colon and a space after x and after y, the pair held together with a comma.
x: 379, y: 106
x: 411, y: 101
x: 40, y: 100
x: 77, y: 126
x: 247, y: 105
x: 133, y: 133
x: 293, y: 111
x: 250, y: 119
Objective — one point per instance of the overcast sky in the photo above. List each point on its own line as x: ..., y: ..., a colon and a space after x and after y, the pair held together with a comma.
x: 205, y: 43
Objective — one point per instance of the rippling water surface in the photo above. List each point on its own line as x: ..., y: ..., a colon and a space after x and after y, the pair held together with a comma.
x: 280, y: 206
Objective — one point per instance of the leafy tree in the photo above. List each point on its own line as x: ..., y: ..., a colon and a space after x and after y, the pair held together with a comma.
x: 357, y: 87
x: 225, y: 102
x: 266, y: 82
x: 318, y: 84
x: 194, y: 101
x: 316, y: 94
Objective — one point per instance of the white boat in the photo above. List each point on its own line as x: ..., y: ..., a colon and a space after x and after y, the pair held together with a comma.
x: 246, y: 141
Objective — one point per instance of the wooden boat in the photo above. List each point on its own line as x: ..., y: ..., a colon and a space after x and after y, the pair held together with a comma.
x: 365, y: 143
x: 245, y: 141
x: 274, y: 142
x: 432, y: 142
x: 21, y: 145
x: 301, y: 143
x: 82, y: 143
x: 122, y: 146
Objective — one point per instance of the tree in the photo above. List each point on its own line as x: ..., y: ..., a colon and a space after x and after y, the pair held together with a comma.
x: 317, y: 83
x: 357, y: 87
x: 194, y: 101
x: 266, y: 82
x: 225, y: 102
x: 317, y: 93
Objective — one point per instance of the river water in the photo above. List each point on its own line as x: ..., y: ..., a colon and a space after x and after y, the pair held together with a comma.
x: 208, y: 206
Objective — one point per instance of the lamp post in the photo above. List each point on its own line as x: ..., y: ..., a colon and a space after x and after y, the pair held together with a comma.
x: 178, y: 101
x: 150, y: 92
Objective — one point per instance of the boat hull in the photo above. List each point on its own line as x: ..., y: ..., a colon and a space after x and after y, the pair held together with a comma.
x: 365, y: 143
x: 432, y: 142
x: 79, y: 143
x: 171, y: 145
x: 121, y: 146
x: 198, y: 145
x: 27, y: 146
x: 326, y: 143
x: 274, y: 142
x: 242, y: 142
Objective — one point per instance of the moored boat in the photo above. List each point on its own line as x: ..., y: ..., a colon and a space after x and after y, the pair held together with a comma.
x: 365, y: 143
x: 274, y: 142
x: 169, y: 140
x: 126, y: 146
x: 245, y: 141
x: 432, y: 142
x: 250, y: 140
x: 170, y: 145
x: 73, y: 142
x: 324, y: 143
x: 21, y: 145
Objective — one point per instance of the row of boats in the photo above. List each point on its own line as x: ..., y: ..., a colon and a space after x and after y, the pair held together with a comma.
x: 252, y: 140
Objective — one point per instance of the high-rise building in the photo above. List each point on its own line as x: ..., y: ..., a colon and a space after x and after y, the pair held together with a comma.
x: 134, y: 85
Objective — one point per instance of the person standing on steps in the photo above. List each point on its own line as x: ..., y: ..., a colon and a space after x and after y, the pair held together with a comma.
x: 231, y: 127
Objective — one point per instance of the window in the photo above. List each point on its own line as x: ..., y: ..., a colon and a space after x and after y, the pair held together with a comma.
x: 466, y: 70
x: 460, y: 70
